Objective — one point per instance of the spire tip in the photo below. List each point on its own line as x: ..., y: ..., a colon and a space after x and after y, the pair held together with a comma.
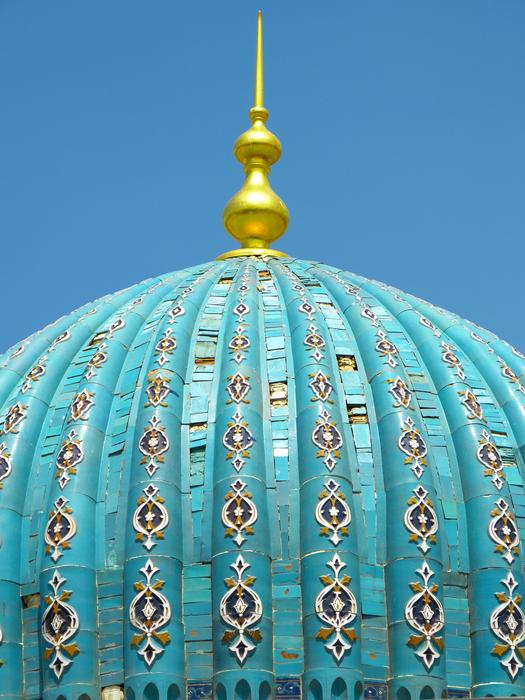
x: 258, y: 98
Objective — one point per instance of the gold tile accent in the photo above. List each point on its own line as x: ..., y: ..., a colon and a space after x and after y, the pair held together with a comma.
x: 347, y: 363
x: 278, y: 394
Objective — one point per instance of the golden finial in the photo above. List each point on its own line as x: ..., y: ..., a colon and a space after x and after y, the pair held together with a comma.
x: 256, y: 216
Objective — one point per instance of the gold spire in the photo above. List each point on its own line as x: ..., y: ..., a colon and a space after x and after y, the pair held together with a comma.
x: 256, y: 216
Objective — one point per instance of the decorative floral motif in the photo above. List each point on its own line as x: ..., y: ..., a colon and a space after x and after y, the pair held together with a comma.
x: 424, y: 613
x: 241, y: 310
x: 328, y: 439
x: 238, y: 387
x: 336, y: 606
x: 421, y: 519
x: 5, y: 463
x: 61, y: 527
x: 34, y: 374
x: 165, y: 347
x: 321, y: 387
x: 14, y: 417
x: 153, y: 444
x: 386, y: 349
x: 332, y: 512
x: 151, y: 518
x: 117, y: 325
x: 82, y: 404
x: 239, y: 341
x: 509, y: 374
x: 370, y: 315
x: 238, y: 439
x: 471, y: 403
x: 59, y: 623
x: 315, y: 342
x: 351, y: 290
x: 157, y: 390
x: 66, y: 335
x: 306, y: 308
x: 508, y: 624
x: 452, y: 360
x: 96, y: 362
x: 423, y: 320
x: 413, y: 445
x: 489, y: 456
x: 16, y: 353
x: 400, y: 392
x: 176, y: 312
x: 503, y: 531
x: 69, y: 456
x: 239, y: 513
x: 241, y: 608
x: 149, y: 612
x: 479, y: 339
x: 239, y: 344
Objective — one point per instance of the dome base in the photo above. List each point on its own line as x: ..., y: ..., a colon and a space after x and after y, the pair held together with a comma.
x: 251, y: 252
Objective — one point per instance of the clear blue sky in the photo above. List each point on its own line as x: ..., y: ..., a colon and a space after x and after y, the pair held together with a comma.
x: 402, y: 124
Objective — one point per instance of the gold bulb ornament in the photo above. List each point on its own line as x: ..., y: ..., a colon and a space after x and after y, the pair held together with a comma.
x: 255, y: 215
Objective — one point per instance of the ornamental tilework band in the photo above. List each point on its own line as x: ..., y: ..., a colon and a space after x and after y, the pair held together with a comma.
x: 413, y: 445
x: 335, y: 603
x: 501, y: 528
x: 367, y: 428
x: 240, y: 607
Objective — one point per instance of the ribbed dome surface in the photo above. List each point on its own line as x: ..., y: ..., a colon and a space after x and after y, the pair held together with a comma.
x: 254, y: 476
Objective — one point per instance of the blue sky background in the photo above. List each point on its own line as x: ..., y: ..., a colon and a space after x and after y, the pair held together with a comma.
x: 402, y: 124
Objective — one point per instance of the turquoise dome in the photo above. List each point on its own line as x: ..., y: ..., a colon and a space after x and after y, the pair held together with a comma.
x: 259, y: 478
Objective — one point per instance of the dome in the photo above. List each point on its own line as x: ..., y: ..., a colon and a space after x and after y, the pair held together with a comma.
x: 256, y: 475
x: 261, y: 477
